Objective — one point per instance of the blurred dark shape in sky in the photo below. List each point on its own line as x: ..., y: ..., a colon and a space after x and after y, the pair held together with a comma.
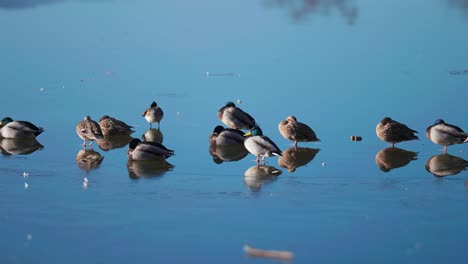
x: 460, y: 4
x: 18, y: 4
x: 22, y: 4
x: 300, y: 9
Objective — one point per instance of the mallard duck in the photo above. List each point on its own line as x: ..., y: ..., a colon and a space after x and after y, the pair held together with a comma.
x: 144, y: 150
x: 88, y: 129
x: 260, y: 145
x: 112, y: 126
x: 226, y: 136
x: 445, y: 134
x: 18, y: 129
x: 296, y: 131
x: 236, y: 118
x: 153, y: 114
x: 391, y: 131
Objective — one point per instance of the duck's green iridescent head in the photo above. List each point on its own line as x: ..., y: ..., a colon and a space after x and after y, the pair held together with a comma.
x: 230, y: 104
x: 6, y: 120
x: 134, y: 143
x: 439, y: 121
x: 218, y: 129
x: 256, y: 131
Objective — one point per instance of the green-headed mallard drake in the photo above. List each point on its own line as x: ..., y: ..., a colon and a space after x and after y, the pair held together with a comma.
x: 138, y: 150
x: 296, y: 131
x: 18, y: 129
x: 445, y: 134
x: 88, y: 129
x: 236, y: 118
x: 153, y: 114
x: 260, y: 145
x: 226, y: 136
x: 112, y: 126
x: 391, y: 131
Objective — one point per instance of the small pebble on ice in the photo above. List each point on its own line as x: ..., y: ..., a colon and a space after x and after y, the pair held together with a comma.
x: 239, y: 101
x: 26, y: 185
x: 42, y: 89
x: 324, y: 164
x: 25, y: 174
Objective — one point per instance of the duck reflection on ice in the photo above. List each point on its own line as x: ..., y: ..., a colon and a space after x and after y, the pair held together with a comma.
x: 296, y: 157
x: 258, y: 175
x: 88, y: 159
x: 445, y: 164
x: 153, y: 135
x: 20, y: 146
x: 146, y: 169
x: 227, y: 153
x: 113, y: 141
x: 393, y: 157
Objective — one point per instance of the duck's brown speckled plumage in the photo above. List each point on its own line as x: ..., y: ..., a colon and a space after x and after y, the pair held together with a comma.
x: 296, y: 131
x: 88, y: 129
x: 113, y: 126
x: 153, y: 114
x: 391, y: 131
x: 236, y: 118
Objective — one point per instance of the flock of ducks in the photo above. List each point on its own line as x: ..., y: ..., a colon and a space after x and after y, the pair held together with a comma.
x: 230, y: 138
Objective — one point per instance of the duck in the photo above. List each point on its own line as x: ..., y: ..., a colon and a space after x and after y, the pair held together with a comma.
x: 18, y: 129
x: 445, y: 134
x: 296, y: 131
x: 391, y: 131
x: 88, y: 129
x: 226, y: 136
x: 259, y: 145
x: 145, y: 150
x: 153, y: 114
x: 234, y: 117
x: 113, y: 126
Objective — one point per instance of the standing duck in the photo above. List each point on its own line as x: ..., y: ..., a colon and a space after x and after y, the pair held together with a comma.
x: 138, y: 150
x: 391, y: 131
x: 153, y: 114
x: 88, y: 129
x: 112, y: 126
x: 296, y: 131
x: 445, y: 134
x: 260, y: 145
x: 236, y: 118
x: 18, y: 129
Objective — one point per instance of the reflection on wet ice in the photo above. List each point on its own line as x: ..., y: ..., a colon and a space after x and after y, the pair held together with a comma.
x: 445, y: 164
x: 391, y: 158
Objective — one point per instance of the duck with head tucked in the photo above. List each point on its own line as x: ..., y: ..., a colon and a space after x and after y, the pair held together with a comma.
x: 234, y: 117
x: 226, y: 136
x: 296, y: 131
x: 260, y: 145
x: 113, y: 126
x: 88, y: 129
x: 391, y: 131
x: 153, y: 114
x: 18, y: 129
x: 445, y: 134
x: 144, y: 150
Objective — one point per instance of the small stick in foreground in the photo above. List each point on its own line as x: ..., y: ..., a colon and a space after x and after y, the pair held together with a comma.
x: 284, y: 255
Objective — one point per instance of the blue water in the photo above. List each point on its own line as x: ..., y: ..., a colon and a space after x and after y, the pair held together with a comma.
x: 338, y: 66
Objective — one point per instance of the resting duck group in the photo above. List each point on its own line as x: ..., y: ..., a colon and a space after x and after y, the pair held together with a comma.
x: 253, y: 140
